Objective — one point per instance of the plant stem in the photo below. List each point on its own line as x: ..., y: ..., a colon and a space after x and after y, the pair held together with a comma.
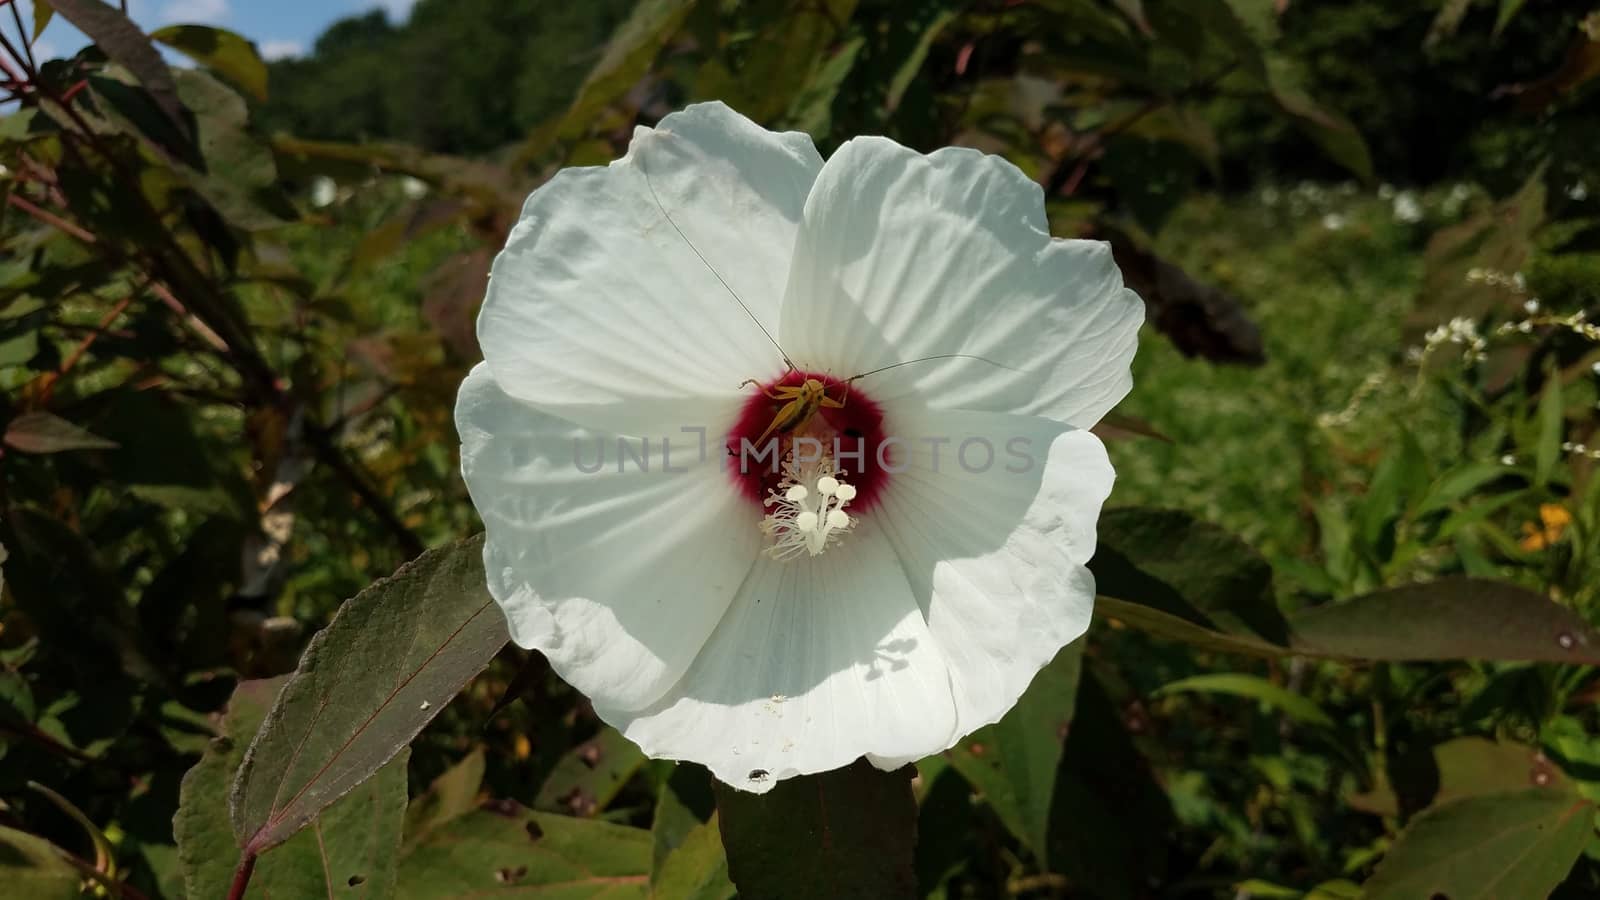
x: 241, y: 876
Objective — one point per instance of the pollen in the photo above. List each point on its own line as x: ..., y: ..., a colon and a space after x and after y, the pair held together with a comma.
x: 806, y: 511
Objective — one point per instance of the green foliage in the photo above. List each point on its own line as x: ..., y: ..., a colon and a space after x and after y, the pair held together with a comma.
x: 847, y: 834
x: 512, y: 851
x: 1346, y: 630
x: 35, y: 869
x: 1013, y: 762
x: 223, y: 52
x: 1518, y: 844
x: 458, y: 76
x: 353, y: 842
x: 354, y: 702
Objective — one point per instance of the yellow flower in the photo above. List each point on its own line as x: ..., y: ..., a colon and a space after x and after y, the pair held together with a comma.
x: 1553, y: 519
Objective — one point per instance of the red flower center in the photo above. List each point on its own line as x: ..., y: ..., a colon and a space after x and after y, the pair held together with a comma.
x: 852, y: 435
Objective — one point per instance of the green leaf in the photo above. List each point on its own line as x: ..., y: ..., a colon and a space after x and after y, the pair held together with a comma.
x: 127, y: 45
x: 1134, y: 10
x: 1253, y: 687
x: 507, y: 850
x: 221, y: 51
x: 1458, y: 483
x: 1185, y: 127
x: 696, y: 870
x: 1466, y: 767
x: 353, y: 844
x: 42, y: 432
x: 239, y: 172
x: 1165, y: 625
x: 43, y: 12
x: 589, y: 776
x: 206, y: 850
x: 354, y: 841
x: 1508, y: 11
x: 164, y: 460
x: 1013, y: 762
x: 1335, y: 134
x: 846, y: 835
x: 911, y: 66
x: 812, y: 109
x: 683, y: 804
x: 628, y: 56
x: 794, y: 42
x: 1186, y: 568
x: 1513, y: 844
x: 56, y: 577
x: 948, y: 826
x: 1452, y: 618
x: 16, y: 698
x: 1552, y: 425
x: 392, y: 657
x: 32, y: 867
x: 451, y: 796
x: 1109, y: 819
x: 1447, y: 21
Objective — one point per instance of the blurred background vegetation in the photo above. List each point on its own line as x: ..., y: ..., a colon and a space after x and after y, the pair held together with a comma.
x: 236, y: 299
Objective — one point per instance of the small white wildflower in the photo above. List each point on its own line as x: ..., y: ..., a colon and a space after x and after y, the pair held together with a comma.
x: 1532, y: 306
x: 413, y: 188
x: 1579, y: 191
x: 1508, y: 460
x: 1406, y: 208
x: 1333, y: 221
x: 323, y: 191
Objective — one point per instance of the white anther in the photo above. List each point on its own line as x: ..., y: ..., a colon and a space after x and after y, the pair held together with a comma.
x: 807, y: 509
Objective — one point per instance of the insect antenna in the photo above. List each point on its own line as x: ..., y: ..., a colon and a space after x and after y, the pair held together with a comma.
x: 729, y: 288
x: 929, y: 359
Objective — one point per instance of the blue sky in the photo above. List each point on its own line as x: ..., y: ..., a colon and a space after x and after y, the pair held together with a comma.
x: 279, y: 27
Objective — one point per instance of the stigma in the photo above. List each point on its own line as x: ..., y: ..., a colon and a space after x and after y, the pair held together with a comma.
x: 807, y: 513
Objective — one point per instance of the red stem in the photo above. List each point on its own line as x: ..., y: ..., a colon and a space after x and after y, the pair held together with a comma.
x: 241, y: 876
x: 49, y: 218
x: 50, y: 378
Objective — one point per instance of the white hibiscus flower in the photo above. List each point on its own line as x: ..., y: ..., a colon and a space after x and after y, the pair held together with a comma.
x: 910, y: 551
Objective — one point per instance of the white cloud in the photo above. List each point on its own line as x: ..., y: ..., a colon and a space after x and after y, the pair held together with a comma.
x: 208, y: 12
x: 398, y: 10
x: 271, y: 50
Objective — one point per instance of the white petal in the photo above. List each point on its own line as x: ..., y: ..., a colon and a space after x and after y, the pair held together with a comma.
x: 903, y: 256
x: 601, y: 303
x: 618, y: 578
x: 996, y: 557
x: 819, y: 661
